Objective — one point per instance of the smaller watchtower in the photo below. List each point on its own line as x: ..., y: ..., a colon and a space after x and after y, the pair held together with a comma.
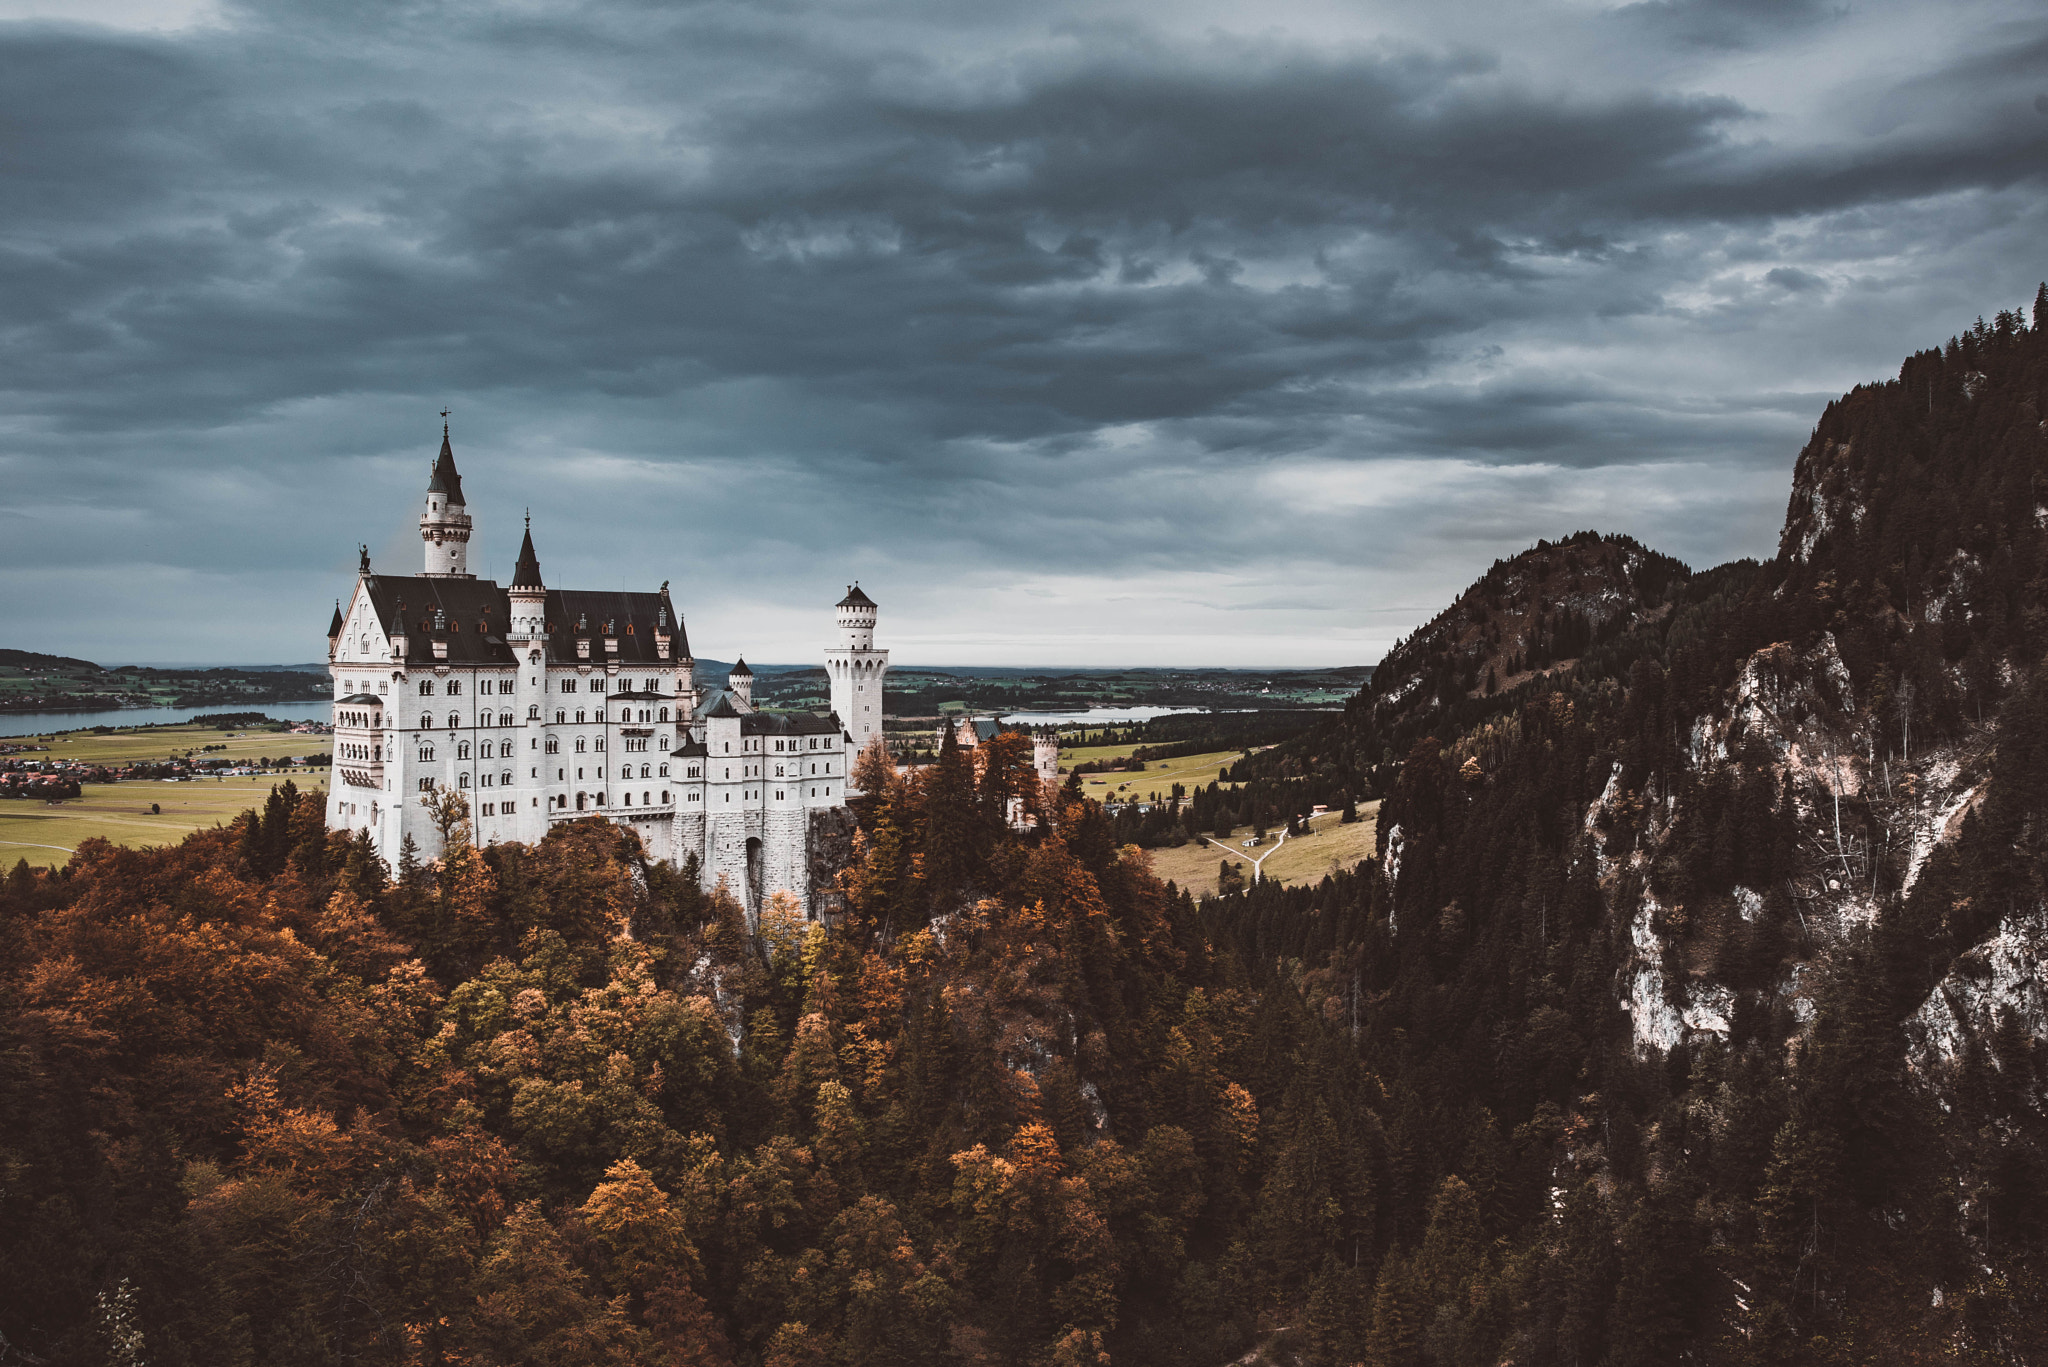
x: 445, y: 525
x: 856, y: 668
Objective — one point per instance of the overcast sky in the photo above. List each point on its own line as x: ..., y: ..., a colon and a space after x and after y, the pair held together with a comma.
x: 1117, y: 332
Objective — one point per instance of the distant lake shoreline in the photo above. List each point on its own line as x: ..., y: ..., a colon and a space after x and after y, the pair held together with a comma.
x: 45, y: 723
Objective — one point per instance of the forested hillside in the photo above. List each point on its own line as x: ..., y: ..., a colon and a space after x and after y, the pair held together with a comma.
x: 1692, y: 1012
x: 1792, y: 828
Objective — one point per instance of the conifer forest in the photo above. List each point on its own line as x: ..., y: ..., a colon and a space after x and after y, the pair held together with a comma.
x: 1692, y: 1011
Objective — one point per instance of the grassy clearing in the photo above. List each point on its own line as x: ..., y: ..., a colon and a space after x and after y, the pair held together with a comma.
x: 1159, y: 776
x: 45, y: 835
x: 162, y: 742
x: 1302, y: 859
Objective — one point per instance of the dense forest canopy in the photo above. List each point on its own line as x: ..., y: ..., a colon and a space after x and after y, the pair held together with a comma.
x: 1691, y: 1012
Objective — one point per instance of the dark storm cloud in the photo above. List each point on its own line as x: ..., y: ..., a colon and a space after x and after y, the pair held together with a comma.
x: 1031, y: 322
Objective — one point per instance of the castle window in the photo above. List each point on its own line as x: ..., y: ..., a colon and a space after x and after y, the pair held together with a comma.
x: 484, y: 781
x: 504, y: 685
x: 554, y: 746
x: 664, y: 714
x: 462, y: 780
x: 629, y: 799
x: 579, y: 714
x: 506, y: 778
x: 426, y: 785
x: 561, y: 717
x: 426, y: 721
x: 568, y: 685
x: 426, y: 688
x: 485, y: 751
x: 664, y: 774
x: 581, y: 745
x: 533, y: 711
x: 426, y: 752
x: 597, y: 685
x: 462, y: 750
x: 490, y: 810
x: 598, y: 744
x: 644, y: 773
x: 454, y: 687
x: 661, y: 742
x: 664, y: 797
x: 693, y: 772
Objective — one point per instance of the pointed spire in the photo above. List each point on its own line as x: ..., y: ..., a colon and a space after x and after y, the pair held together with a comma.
x: 445, y: 480
x: 526, y: 574
x: 334, y: 627
x: 740, y: 670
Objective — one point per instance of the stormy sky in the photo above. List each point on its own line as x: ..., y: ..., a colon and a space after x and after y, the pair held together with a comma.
x: 1081, y: 333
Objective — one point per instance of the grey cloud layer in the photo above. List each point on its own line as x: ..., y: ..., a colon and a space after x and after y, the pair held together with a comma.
x: 1043, y: 328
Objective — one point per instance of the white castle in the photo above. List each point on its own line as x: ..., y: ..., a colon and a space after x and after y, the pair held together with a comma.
x: 546, y: 705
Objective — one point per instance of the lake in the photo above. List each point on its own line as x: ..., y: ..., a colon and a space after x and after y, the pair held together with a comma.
x: 42, y: 723
x: 1095, y: 716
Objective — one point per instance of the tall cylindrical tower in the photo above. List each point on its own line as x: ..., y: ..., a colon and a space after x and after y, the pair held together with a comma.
x: 856, y: 668
x: 445, y: 526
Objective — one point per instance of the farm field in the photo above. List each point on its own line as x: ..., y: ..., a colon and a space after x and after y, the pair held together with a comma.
x: 1159, y: 775
x: 1303, y: 859
x: 46, y: 835
x: 162, y: 742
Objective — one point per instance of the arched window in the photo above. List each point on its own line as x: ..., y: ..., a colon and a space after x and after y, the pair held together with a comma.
x: 426, y: 721
x: 533, y: 712
x: 454, y: 687
x: 554, y: 746
x: 426, y: 688
x: 560, y: 716
x: 505, y: 779
x: 485, y: 752
x: 462, y: 780
x: 426, y: 752
x: 664, y: 714
x: 462, y: 750
x: 581, y: 745
x: 664, y: 774
x: 629, y: 799
x: 644, y: 772
x: 579, y: 714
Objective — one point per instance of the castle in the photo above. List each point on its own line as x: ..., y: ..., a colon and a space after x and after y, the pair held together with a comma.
x: 542, y: 705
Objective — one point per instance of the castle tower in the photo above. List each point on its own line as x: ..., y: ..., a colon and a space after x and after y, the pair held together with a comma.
x: 857, y: 669
x: 741, y: 684
x: 444, y: 526
x: 529, y: 597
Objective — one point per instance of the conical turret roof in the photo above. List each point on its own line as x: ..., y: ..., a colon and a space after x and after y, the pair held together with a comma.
x: 855, y: 598
x: 526, y: 574
x: 334, y: 627
x: 446, y: 481
x: 740, y: 671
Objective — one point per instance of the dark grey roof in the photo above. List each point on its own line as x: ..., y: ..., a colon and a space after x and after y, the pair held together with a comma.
x: 360, y: 699
x: 445, y: 480
x: 477, y: 612
x: 740, y: 670
x: 787, y: 724
x: 691, y: 750
x: 642, y: 696
x: 722, y: 708
x: 855, y: 598
x: 334, y: 627
x: 526, y: 573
